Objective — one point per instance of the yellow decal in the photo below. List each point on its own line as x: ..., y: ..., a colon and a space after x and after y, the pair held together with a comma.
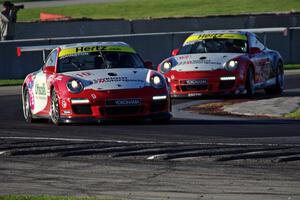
x: 236, y: 36
x: 77, y: 50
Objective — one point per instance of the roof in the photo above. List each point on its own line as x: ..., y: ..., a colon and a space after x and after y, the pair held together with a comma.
x: 88, y: 44
x: 220, y: 32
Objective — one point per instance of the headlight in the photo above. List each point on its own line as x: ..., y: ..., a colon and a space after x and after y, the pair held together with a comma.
x: 166, y: 66
x: 231, y: 65
x: 157, y: 81
x: 74, y: 86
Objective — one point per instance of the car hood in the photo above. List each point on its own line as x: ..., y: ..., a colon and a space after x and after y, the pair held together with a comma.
x: 111, y: 79
x: 202, y: 62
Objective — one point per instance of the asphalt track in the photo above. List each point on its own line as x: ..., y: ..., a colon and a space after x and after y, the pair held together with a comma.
x: 207, y: 158
x: 205, y: 130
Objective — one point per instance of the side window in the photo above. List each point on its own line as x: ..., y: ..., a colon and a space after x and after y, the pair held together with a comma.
x: 51, y: 60
x: 259, y: 44
x: 255, y: 42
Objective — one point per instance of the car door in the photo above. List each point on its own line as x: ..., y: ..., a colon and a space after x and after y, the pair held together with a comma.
x: 261, y: 61
x: 41, y: 85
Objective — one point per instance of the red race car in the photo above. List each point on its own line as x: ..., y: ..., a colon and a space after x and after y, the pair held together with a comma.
x: 223, y: 62
x: 94, y: 81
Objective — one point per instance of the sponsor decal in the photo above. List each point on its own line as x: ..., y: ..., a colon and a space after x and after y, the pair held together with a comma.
x: 236, y: 36
x: 191, y: 62
x: 197, y: 82
x: 79, y: 50
x: 184, y: 57
x: 123, y: 102
x: 194, y: 95
x: 30, y: 84
x: 115, y: 79
x: 40, y: 89
x: 83, y: 74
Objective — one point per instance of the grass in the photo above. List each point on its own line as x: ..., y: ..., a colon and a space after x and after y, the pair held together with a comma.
x: 291, y: 66
x: 143, y: 9
x: 294, y: 115
x: 15, y: 197
x: 11, y: 82
x: 18, y: 1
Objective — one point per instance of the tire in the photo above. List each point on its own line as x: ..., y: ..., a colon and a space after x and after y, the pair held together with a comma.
x: 26, y: 106
x: 54, y: 108
x: 279, y: 82
x: 250, y: 83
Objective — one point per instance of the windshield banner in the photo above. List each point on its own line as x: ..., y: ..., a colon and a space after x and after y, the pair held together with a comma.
x: 79, y: 50
x: 194, y: 38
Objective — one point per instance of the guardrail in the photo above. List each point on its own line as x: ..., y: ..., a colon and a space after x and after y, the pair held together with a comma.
x: 151, y: 46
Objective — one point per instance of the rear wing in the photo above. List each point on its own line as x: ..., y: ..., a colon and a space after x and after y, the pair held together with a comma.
x: 42, y: 48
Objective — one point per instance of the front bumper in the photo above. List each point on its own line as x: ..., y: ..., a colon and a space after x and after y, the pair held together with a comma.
x: 91, y: 105
x: 192, y: 84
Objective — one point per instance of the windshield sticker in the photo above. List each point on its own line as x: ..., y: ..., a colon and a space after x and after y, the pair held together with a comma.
x: 194, y: 38
x: 80, y: 50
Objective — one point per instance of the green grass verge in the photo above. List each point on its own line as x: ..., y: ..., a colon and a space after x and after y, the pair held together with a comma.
x: 291, y: 66
x: 141, y: 9
x: 18, y: 1
x: 294, y: 115
x: 14, y: 197
x: 11, y: 82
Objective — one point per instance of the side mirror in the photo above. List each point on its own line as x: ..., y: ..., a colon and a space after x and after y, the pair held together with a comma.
x: 175, y: 52
x: 148, y: 64
x: 49, y: 69
x: 254, y: 50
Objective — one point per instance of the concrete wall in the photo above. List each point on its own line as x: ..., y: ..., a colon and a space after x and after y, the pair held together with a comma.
x: 111, y: 27
x: 153, y: 47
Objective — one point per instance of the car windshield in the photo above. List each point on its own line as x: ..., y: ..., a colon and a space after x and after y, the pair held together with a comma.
x: 215, y: 46
x: 99, y: 60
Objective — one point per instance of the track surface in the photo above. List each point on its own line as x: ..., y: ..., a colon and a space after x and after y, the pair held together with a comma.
x: 179, y: 130
x: 187, y: 159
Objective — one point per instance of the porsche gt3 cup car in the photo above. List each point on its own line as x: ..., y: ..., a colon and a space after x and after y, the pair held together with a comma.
x: 94, y: 81
x: 222, y: 62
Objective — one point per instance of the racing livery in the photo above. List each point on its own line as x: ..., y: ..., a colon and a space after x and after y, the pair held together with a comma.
x: 95, y: 81
x: 223, y: 62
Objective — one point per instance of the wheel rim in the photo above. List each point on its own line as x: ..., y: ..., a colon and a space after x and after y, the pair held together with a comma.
x: 26, y: 105
x: 280, y: 76
x: 54, y: 108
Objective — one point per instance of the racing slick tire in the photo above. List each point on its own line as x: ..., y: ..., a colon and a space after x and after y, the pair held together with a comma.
x: 54, y: 108
x: 26, y: 106
x: 279, y: 82
x: 250, y: 83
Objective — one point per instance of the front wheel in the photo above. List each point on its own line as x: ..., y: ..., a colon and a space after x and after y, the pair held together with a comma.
x: 250, y: 86
x: 26, y: 106
x: 54, y: 112
x: 277, y: 89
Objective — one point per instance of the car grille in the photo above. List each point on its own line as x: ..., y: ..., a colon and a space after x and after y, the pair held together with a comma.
x: 121, y: 110
x: 193, y: 87
x: 82, y: 109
